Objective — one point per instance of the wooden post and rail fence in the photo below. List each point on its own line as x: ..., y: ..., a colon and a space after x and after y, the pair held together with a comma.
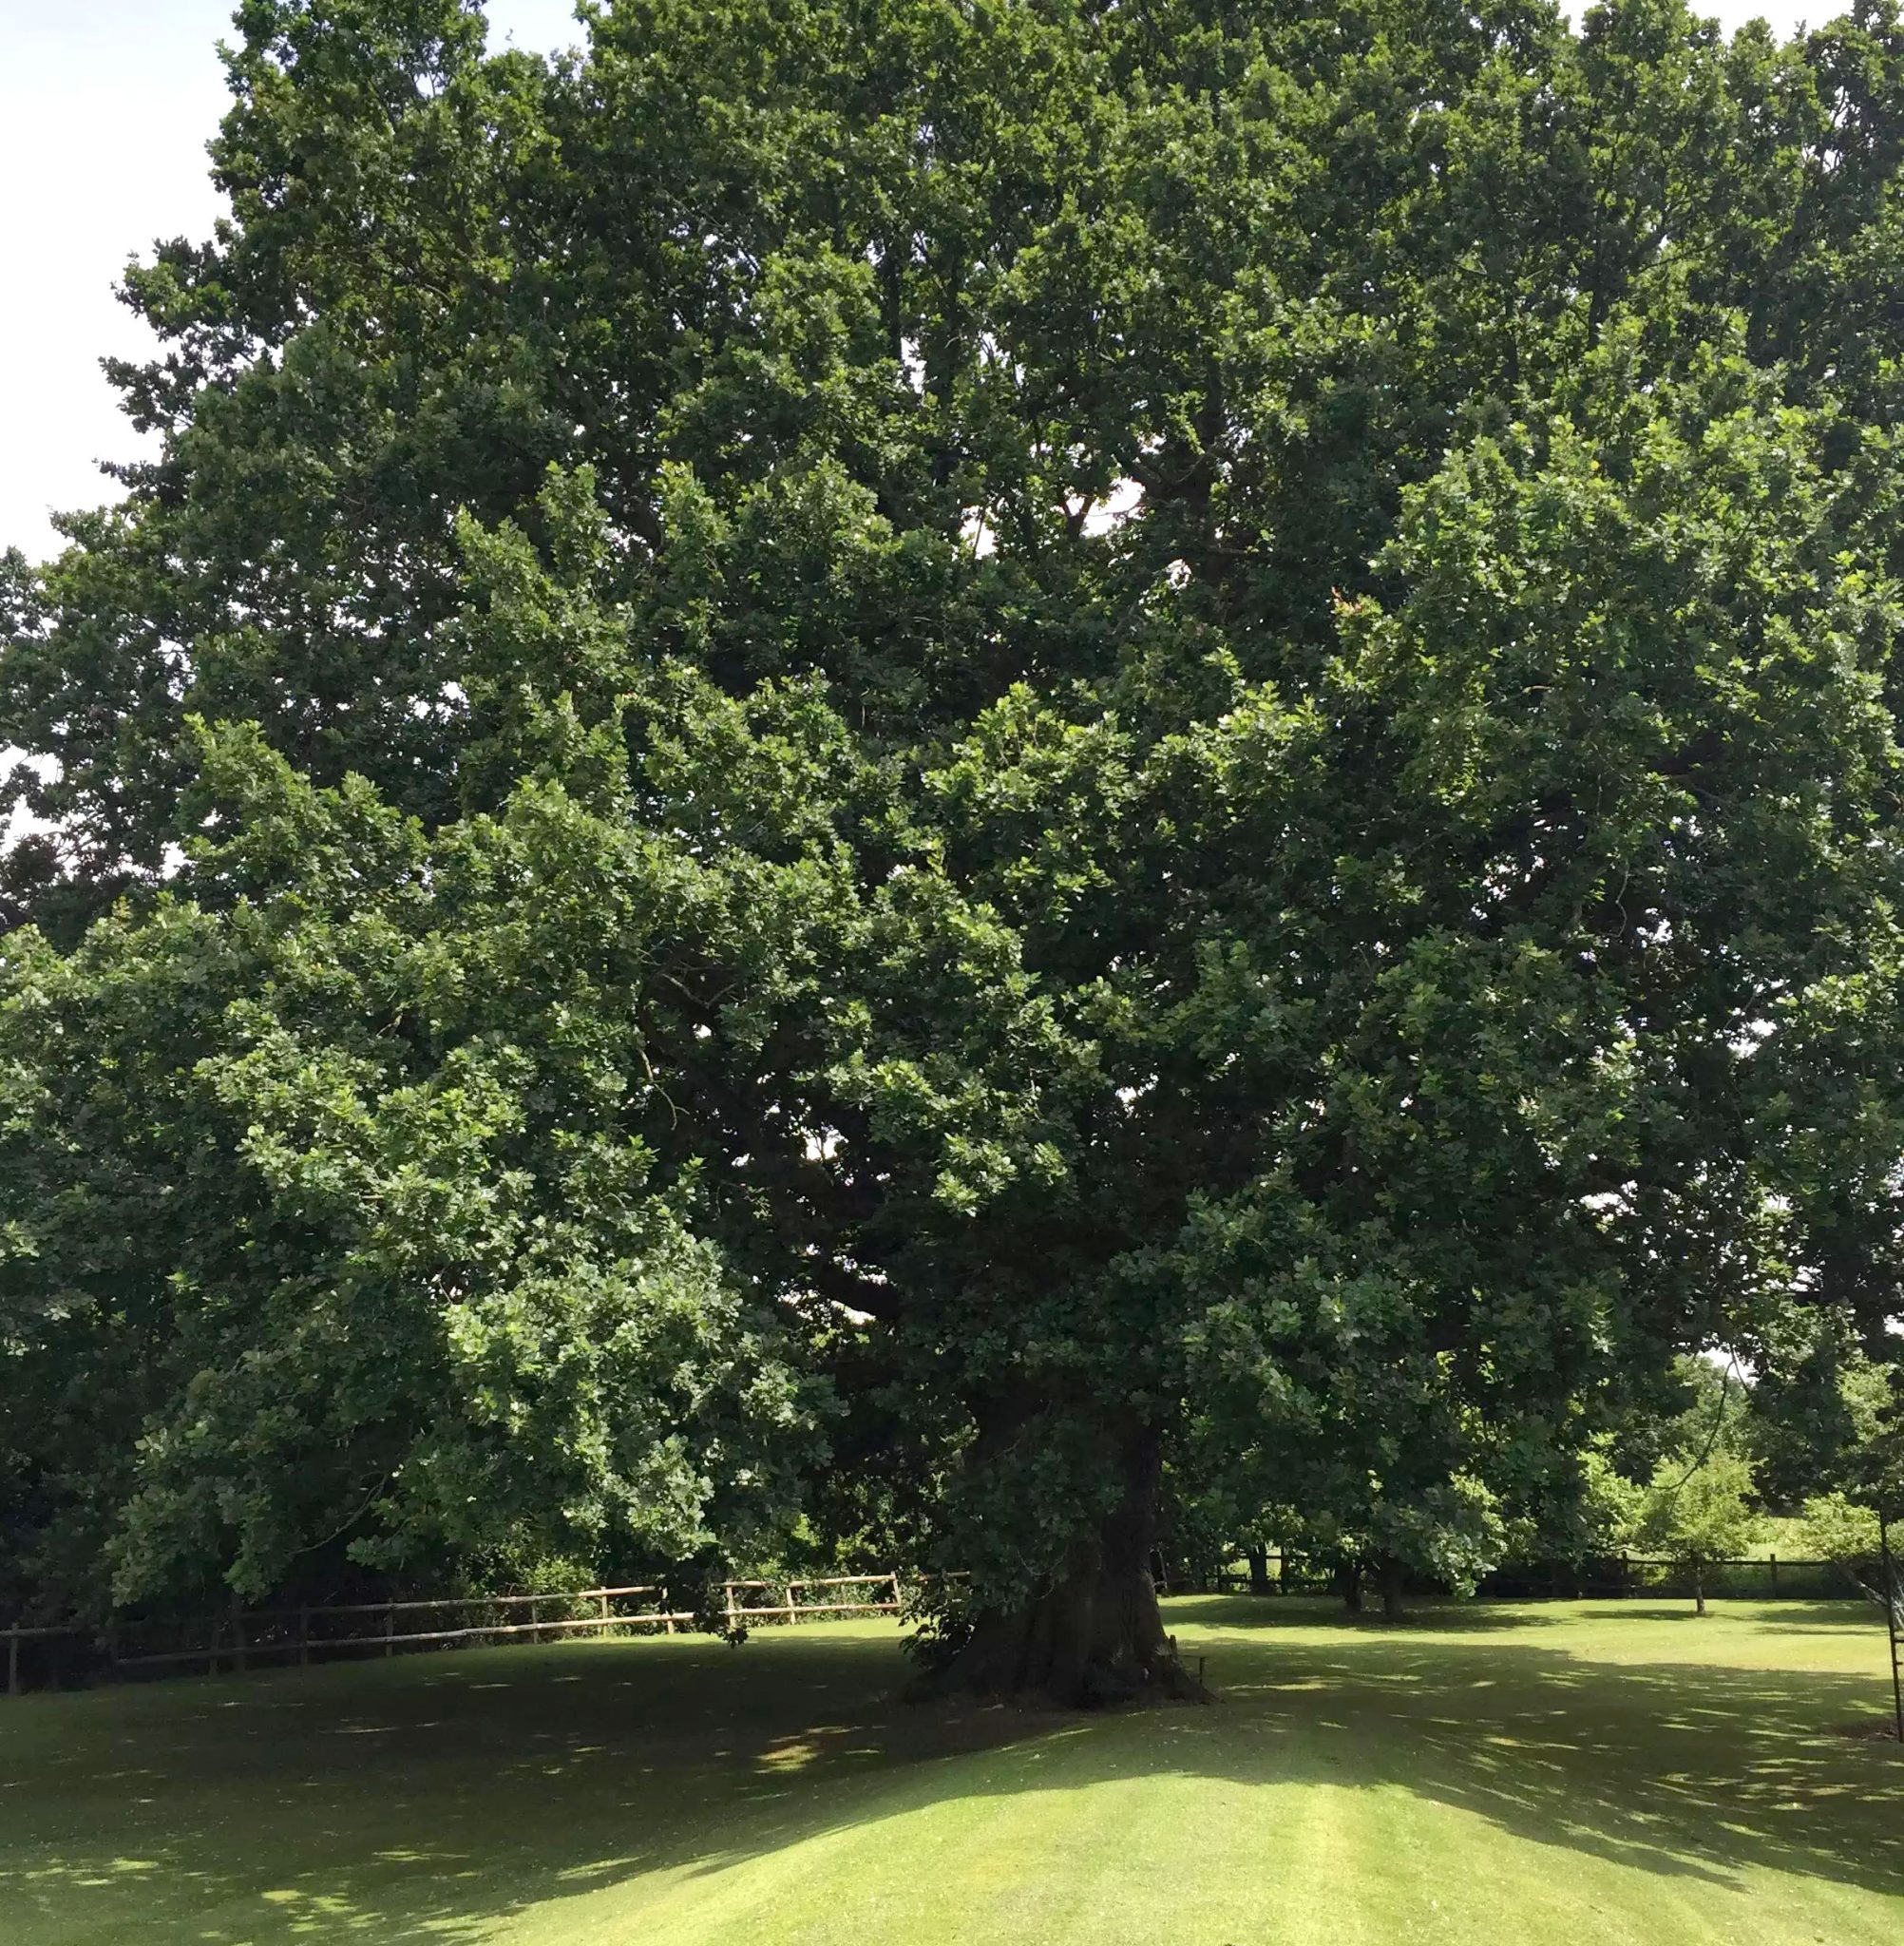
x: 244, y: 1639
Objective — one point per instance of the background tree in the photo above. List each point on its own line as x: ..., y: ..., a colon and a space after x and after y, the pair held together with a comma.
x: 1842, y: 1531
x: 1811, y: 1406
x: 1697, y: 1510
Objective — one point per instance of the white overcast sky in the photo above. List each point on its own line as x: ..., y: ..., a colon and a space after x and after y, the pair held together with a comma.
x: 106, y: 106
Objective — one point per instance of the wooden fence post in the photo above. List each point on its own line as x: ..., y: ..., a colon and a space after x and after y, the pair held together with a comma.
x: 237, y: 1652
x: 1774, y: 1574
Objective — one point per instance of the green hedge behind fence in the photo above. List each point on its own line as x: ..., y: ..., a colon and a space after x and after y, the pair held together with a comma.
x: 1609, y: 1578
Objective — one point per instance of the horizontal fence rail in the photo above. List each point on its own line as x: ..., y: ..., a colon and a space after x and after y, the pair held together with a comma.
x: 244, y: 1639
x: 247, y: 1638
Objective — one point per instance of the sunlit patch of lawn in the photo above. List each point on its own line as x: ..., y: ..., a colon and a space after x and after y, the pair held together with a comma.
x: 1594, y: 1772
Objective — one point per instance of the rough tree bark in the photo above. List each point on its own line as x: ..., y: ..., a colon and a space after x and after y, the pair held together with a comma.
x: 1347, y: 1582
x: 1388, y: 1576
x: 1093, y: 1636
x: 1259, y: 1570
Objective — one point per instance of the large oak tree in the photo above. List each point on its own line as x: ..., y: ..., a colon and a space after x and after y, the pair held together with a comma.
x: 962, y: 726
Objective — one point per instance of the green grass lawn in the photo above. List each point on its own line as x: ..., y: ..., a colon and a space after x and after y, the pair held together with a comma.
x: 1603, y: 1772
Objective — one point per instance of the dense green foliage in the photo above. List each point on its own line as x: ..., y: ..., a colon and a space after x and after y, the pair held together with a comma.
x: 1696, y: 1510
x: 1016, y: 734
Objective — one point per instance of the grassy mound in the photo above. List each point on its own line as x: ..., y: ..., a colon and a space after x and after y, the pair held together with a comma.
x: 1605, y: 1773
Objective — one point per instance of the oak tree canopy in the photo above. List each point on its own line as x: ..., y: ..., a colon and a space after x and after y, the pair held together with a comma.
x: 956, y: 742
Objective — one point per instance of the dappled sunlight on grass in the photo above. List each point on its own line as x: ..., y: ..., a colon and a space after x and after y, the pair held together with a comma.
x: 1468, y: 1773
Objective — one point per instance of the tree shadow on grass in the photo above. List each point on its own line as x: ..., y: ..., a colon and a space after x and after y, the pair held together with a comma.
x: 1677, y: 1768
x: 433, y: 1803
x: 1233, y: 1611
x: 1801, y: 1618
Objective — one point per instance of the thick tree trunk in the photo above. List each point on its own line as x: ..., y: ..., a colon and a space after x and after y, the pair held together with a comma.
x: 1698, y: 1588
x: 1259, y: 1570
x: 1347, y: 1581
x: 1388, y: 1572
x: 1094, y: 1638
